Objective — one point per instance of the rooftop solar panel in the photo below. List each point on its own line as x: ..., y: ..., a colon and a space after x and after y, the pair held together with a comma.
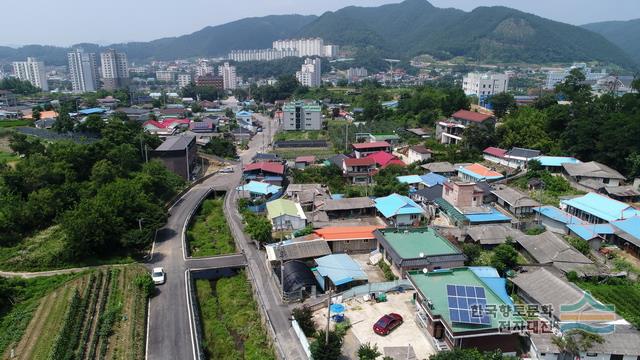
x: 467, y: 304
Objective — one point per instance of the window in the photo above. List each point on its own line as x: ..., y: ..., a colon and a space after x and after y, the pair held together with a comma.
x: 605, y: 181
x: 365, y: 240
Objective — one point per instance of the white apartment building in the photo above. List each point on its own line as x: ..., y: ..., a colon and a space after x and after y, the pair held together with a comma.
x: 261, y: 54
x: 330, y: 51
x: 32, y: 71
x: 304, y: 47
x: 356, y: 73
x: 203, y: 68
x: 228, y: 74
x: 166, y: 75
x: 301, y: 116
x: 556, y: 77
x: 184, y: 80
x: 115, y: 69
x: 310, y: 72
x: 483, y: 85
x: 83, y: 71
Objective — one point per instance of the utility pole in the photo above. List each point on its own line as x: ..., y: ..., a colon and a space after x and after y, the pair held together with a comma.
x: 281, y: 263
x: 326, y: 338
x: 140, y: 224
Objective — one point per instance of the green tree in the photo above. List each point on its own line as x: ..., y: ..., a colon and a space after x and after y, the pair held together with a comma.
x: 478, y: 137
x: 574, y: 342
x: 545, y: 101
x: 323, y: 350
x: 35, y: 114
x: 304, y: 317
x: 574, y: 87
x: 580, y: 245
x: 504, y: 257
x: 221, y: 147
x: 386, y: 182
x: 502, y: 103
x: 472, y: 252
x: 145, y: 283
x: 367, y: 351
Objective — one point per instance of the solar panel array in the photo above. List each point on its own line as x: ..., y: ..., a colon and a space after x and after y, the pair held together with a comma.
x: 467, y: 304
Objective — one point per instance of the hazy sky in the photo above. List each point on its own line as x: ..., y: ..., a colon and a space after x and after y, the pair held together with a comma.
x: 65, y: 22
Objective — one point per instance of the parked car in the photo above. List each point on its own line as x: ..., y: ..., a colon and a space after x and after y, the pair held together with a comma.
x: 387, y: 323
x: 158, y: 275
x: 227, y: 170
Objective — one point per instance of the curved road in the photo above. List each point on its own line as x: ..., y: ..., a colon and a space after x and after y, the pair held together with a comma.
x: 171, y: 333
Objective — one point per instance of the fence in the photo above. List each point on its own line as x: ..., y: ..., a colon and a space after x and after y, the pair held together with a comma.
x: 303, y: 339
x: 381, y: 287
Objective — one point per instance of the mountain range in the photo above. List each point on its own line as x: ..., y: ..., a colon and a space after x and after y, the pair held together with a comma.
x: 625, y: 34
x: 402, y: 30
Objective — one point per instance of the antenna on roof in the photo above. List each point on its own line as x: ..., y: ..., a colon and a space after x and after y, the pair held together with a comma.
x: 425, y: 270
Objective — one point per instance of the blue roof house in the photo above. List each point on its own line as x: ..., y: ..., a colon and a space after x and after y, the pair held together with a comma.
x: 399, y: 210
x: 554, y: 163
x: 338, y: 271
x: 257, y: 189
x: 556, y: 220
x: 627, y: 234
x: 597, y: 209
x: 245, y: 120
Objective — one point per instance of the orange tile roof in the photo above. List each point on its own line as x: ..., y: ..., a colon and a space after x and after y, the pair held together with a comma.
x: 336, y: 233
x: 44, y: 115
x: 482, y: 170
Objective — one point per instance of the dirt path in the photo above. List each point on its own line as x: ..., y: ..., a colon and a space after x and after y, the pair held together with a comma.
x: 28, y: 275
x: 93, y: 321
x: 35, y: 327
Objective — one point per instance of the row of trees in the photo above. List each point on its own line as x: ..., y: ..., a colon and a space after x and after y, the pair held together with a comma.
x: 103, y: 195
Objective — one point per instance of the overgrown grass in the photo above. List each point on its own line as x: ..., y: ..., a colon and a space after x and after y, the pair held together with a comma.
x: 209, y: 233
x: 230, y: 321
x: 320, y: 153
x: 29, y: 292
x: 7, y: 157
x: 44, y: 251
x: 14, y: 123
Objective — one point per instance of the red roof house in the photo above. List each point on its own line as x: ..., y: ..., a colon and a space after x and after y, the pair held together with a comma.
x: 471, y: 116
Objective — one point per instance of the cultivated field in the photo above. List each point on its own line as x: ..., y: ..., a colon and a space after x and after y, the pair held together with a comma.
x: 100, y: 315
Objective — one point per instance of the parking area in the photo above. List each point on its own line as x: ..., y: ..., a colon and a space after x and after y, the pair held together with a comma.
x: 363, y: 314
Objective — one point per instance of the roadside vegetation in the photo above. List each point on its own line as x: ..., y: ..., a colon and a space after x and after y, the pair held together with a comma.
x: 95, y: 315
x: 209, y: 233
x: 230, y: 320
x: 14, y: 123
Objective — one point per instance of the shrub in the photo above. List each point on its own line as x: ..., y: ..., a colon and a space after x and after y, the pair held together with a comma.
x: 386, y: 270
x: 368, y: 352
x: 304, y: 317
x: 145, y: 284
x: 580, y: 245
x: 472, y: 252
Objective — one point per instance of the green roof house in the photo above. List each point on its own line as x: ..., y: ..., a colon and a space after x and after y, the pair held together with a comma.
x: 286, y: 215
x: 417, y: 249
x: 446, y: 308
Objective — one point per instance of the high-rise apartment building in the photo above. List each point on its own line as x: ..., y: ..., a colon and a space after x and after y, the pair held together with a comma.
x: 83, y: 71
x: 166, y: 75
x: 483, y: 85
x: 32, y: 71
x: 184, y: 80
x: 228, y: 73
x: 115, y: 69
x: 304, y: 47
x: 310, y: 73
x: 556, y: 77
x: 203, y: 68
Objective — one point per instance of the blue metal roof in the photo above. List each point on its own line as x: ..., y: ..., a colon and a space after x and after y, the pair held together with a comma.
x: 261, y: 188
x: 492, y: 217
x: 244, y: 113
x: 631, y: 226
x: 410, y: 179
x: 340, y: 268
x: 556, y: 161
x: 590, y: 231
x: 396, y: 204
x: 92, y: 111
x: 433, y: 179
x: 556, y: 214
x: 492, y: 280
x: 602, y: 207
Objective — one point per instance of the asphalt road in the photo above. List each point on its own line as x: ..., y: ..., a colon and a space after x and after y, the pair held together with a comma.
x: 170, y: 327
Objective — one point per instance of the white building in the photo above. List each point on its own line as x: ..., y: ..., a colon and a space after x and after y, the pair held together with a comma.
x: 261, y: 54
x: 483, y: 85
x: 228, y: 74
x: 330, y: 51
x: 83, y: 71
x: 166, y: 75
x: 184, y: 80
x: 300, y: 116
x: 115, y: 69
x: 354, y: 74
x: 556, y: 77
x: 303, y: 47
x: 32, y: 71
x: 310, y: 73
x: 203, y: 68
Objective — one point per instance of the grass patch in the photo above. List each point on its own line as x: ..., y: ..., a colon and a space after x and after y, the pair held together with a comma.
x: 301, y: 135
x: 320, y: 153
x: 209, y: 233
x: 558, y: 187
x: 14, y: 123
x: 230, y: 320
x: 7, y: 157
x: 624, y: 295
x: 27, y: 294
x: 44, y: 251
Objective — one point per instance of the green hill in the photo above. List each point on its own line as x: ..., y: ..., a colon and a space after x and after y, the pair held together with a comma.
x: 496, y: 33
x: 625, y: 34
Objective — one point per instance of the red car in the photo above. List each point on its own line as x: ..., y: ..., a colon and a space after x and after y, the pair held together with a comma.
x: 387, y: 323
